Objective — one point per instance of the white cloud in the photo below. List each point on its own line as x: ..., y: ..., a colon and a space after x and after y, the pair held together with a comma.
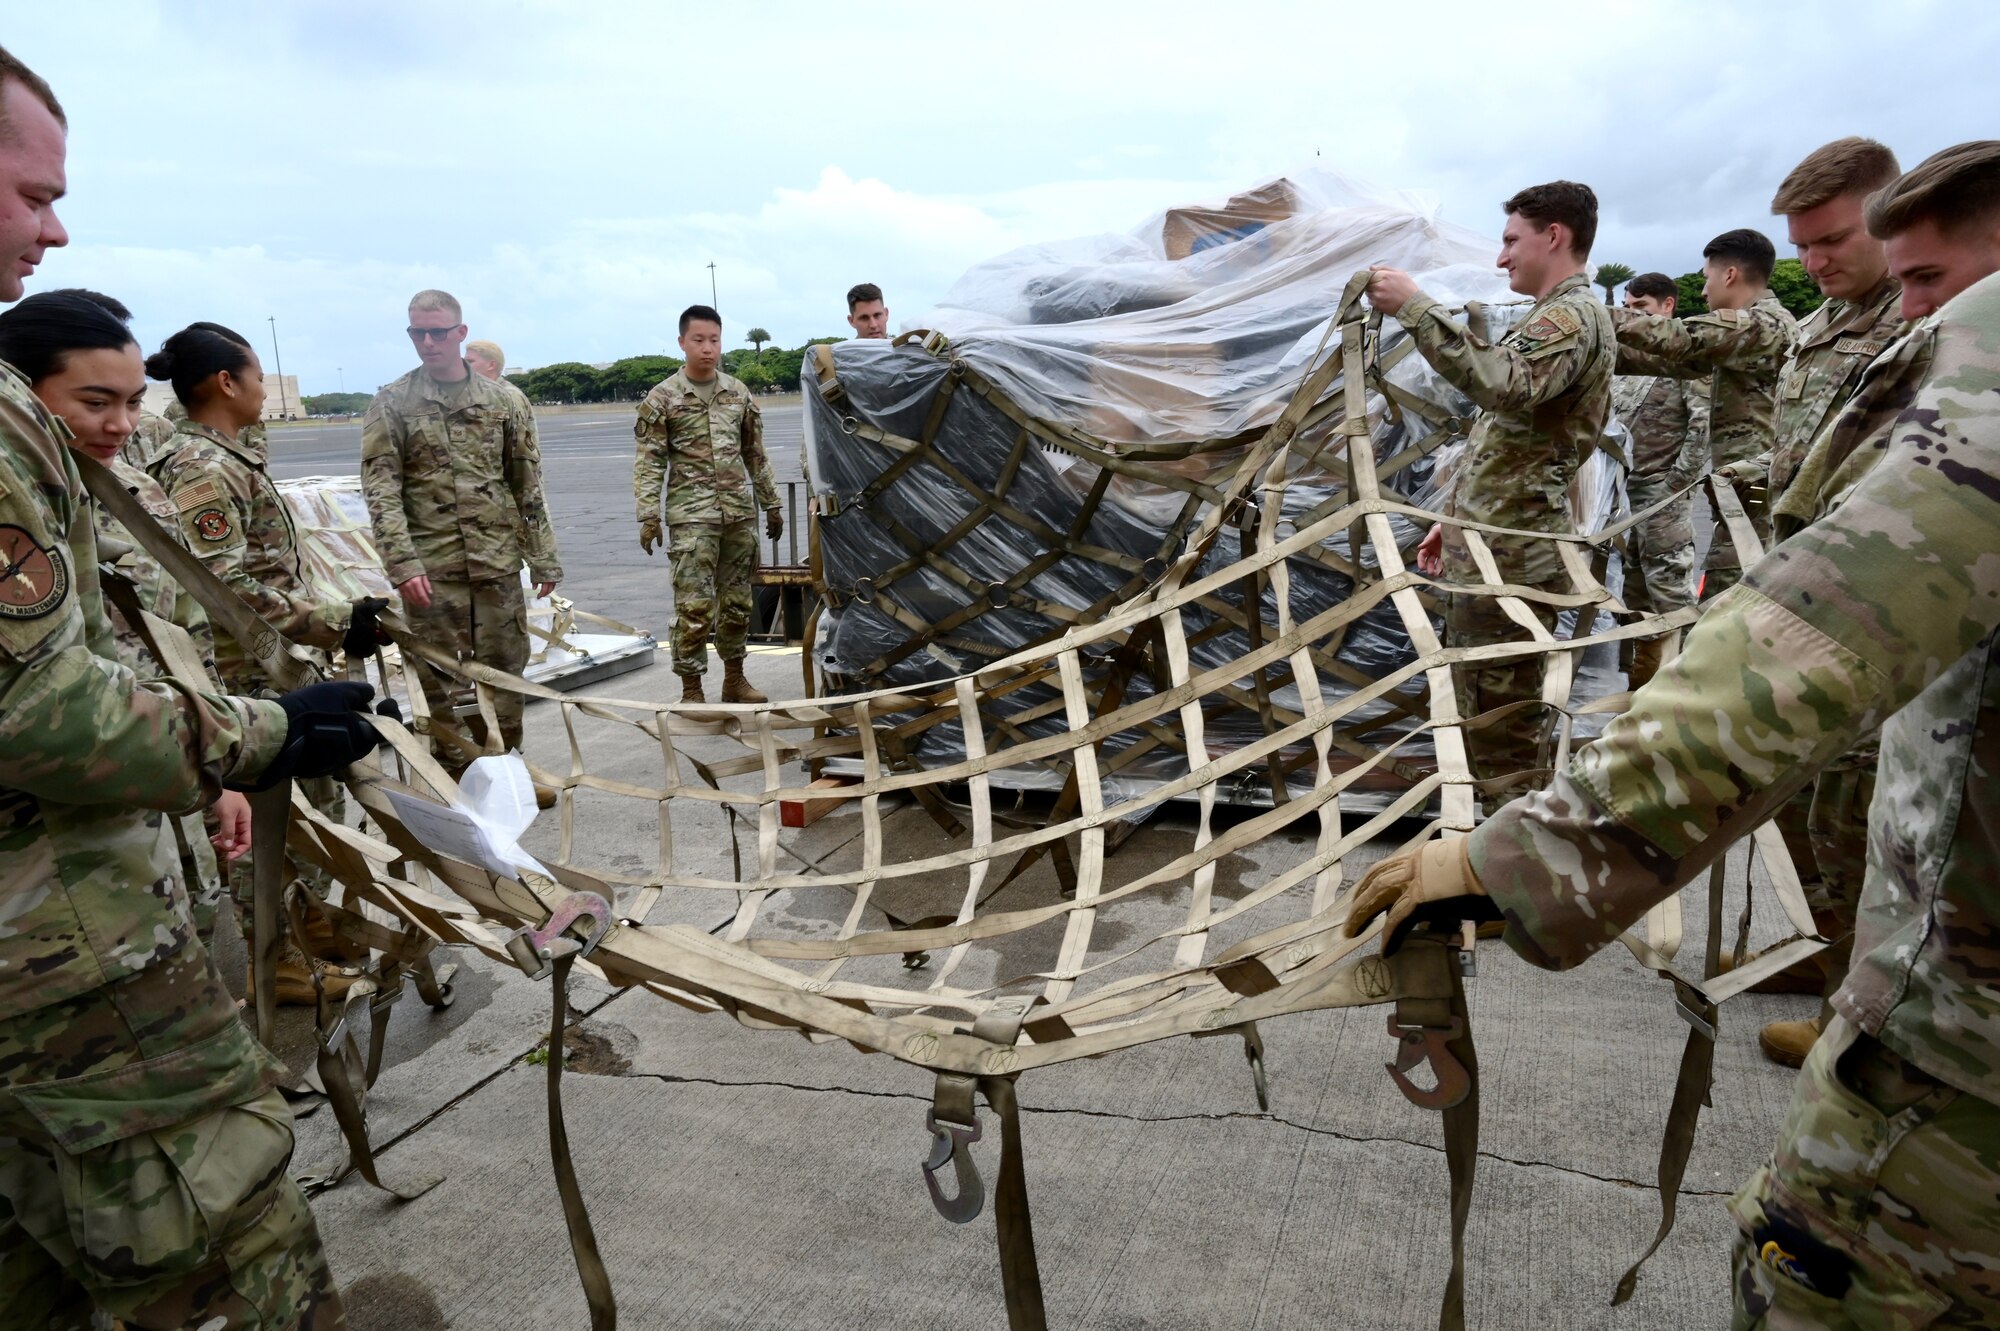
x: 569, y: 170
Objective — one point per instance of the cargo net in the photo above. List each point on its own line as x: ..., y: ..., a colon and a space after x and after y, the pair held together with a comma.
x: 941, y: 949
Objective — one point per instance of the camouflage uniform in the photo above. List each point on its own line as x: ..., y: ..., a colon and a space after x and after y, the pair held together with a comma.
x: 232, y: 516
x: 1544, y: 390
x: 143, y: 1149
x: 1886, y: 608
x: 453, y: 476
x: 1739, y: 352
x: 160, y: 595
x: 710, y: 456
x: 1833, y: 348
x: 1827, y: 825
x: 148, y: 437
x: 1668, y: 421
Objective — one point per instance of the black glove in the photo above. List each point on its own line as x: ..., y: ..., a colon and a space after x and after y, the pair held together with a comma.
x: 329, y: 730
x: 774, y: 523
x: 364, y: 631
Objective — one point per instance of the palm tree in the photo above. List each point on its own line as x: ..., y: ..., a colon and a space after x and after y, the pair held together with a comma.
x: 757, y: 337
x: 1609, y: 275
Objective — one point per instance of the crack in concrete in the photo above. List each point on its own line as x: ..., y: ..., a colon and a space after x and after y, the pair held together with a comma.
x: 1224, y: 1116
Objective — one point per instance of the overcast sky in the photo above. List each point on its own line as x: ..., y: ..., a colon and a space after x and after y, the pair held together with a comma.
x: 570, y: 170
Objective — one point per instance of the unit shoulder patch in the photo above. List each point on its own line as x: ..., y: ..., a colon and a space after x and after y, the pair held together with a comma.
x: 33, y: 578
x: 1554, y: 322
x: 212, y: 524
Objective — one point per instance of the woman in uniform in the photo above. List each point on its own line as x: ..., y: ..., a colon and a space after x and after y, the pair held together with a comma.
x: 77, y: 354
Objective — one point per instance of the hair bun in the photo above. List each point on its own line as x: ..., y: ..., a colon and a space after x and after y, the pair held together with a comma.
x: 160, y: 365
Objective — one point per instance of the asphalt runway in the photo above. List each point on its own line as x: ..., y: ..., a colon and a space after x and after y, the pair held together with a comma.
x: 587, y: 475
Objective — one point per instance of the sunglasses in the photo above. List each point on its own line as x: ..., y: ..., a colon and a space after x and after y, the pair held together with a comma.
x: 431, y: 334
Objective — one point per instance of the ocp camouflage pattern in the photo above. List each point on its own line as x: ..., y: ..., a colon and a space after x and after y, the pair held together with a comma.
x: 90, y: 756
x: 160, y: 595
x: 708, y: 455
x: 1834, y: 347
x: 233, y: 517
x: 1884, y: 608
x: 453, y: 478
x: 1738, y: 351
x: 1667, y: 421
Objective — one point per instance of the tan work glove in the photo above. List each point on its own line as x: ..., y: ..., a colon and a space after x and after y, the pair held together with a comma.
x: 650, y: 534
x: 1743, y: 471
x: 1433, y: 884
x: 774, y: 523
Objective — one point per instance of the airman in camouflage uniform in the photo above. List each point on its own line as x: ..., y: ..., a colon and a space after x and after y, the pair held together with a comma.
x: 122, y: 1059
x: 1739, y: 351
x: 1544, y: 389
x: 230, y: 513
x: 232, y: 516
x: 1826, y: 826
x: 452, y: 471
x: 703, y: 440
x: 149, y: 436
x: 1667, y: 421
x: 1877, y: 1207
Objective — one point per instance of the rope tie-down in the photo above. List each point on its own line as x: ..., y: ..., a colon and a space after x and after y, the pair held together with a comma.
x: 1135, y: 673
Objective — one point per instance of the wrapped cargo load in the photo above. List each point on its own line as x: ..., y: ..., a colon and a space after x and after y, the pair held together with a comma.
x: 1042, y: 448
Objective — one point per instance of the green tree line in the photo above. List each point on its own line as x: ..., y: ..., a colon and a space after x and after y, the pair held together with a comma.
x: 769, y: 369
x: 335, y: 404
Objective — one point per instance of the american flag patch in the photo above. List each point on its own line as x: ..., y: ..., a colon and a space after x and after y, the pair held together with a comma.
x: 203, y: 492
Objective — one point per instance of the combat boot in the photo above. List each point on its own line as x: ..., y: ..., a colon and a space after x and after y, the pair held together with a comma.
x: 691, y: 689
x: 1647, y: 658
x: 294, y: 985
x: 1788, y: 1042
x: 545, y: 796
x: 735, y: 688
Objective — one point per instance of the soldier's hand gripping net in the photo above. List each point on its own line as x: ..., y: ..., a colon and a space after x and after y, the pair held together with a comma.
x: 364, y: 631
x: 1433, y: 884
x: 330, y: 729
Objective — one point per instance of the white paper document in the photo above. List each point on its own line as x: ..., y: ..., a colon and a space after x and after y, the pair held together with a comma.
x: 496, y: 806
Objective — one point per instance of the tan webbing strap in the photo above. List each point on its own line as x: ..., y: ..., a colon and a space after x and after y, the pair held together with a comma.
x: 270, y: 818
x: 286, y: 665
x: 582, y: 1238
x: 1461, y: 1153
x: 1020, y: 1273
x: 338, y: 1063
x: 1691, y: 1087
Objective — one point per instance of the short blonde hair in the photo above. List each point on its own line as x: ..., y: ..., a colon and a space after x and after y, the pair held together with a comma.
x: 1852, y: 165
x: 487, y: 351
x: 434, y: 299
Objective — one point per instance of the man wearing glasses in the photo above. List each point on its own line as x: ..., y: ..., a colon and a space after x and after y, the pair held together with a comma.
x: 453, y: 475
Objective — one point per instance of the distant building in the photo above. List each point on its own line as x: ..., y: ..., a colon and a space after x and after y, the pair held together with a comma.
x: 281, y: 398
x: 159, y: 396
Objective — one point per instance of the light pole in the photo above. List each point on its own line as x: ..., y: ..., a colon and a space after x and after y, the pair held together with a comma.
x: 342, y: 374
x: 284, y: 407
x: 712, y: 300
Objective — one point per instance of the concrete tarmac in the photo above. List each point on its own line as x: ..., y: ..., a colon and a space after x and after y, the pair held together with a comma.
x: 749, y: 1179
